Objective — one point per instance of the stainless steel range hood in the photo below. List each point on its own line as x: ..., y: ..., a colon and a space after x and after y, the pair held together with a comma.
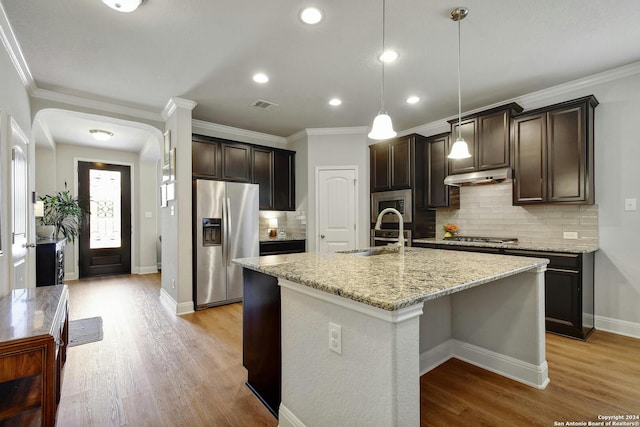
x: 480, y: 177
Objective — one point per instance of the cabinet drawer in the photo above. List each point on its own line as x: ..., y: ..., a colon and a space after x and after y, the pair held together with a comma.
x: 20, y: 365
x: 556, y: 260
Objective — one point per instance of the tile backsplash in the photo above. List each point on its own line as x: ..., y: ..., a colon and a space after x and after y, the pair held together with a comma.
x: 486, y: 210
x: 293, y: 224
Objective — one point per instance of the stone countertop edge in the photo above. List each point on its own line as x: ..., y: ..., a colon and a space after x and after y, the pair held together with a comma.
x: 576, y: 249
x: 388, y: 282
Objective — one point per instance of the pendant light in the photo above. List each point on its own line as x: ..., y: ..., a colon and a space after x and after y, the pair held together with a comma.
x: 460, y: 149
x: 382, y: 127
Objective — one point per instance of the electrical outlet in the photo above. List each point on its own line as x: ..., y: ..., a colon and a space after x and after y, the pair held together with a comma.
x: 629, y: 204
x: 573, y: 235
x: 335, y: 338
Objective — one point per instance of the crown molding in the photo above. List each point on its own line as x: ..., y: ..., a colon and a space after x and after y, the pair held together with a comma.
x: 14, y: 51
x: 201, y: 125
x: 174, y: 103
x: 109, y: 107
x: 337, y: 131
x: 428, y: 129
x: 301, y: 134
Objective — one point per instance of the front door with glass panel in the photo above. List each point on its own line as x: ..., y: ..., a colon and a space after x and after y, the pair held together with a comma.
x: 105, y: 237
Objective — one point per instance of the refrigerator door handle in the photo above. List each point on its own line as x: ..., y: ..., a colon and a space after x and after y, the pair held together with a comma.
x: 224, y: 232
x: 228, y: 231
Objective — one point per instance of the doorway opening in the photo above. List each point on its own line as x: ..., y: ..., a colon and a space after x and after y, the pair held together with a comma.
x: 105, y: 235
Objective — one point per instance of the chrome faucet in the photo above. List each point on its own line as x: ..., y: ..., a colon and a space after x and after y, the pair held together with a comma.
x: 401, y: 223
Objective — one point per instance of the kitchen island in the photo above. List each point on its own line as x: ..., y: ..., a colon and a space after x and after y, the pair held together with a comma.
x: 355, y: 341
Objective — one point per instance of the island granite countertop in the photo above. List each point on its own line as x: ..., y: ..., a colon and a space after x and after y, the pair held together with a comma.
x: 576, y: 249
x: 391, y: 281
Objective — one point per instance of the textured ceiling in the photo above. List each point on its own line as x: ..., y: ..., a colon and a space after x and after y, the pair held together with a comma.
x: 207, y: 51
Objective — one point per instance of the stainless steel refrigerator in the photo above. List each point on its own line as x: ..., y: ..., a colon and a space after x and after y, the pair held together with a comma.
x: 225, y: 222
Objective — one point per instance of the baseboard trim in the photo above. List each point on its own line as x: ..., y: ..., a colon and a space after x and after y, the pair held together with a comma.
x: 184, y: 308
x: 168, y: 302
x: 148, y: 270
x: 435, y: 357
x: 286, y: 418
x: 517, y: 370
x: 617, y: 326
x: 72, y: 275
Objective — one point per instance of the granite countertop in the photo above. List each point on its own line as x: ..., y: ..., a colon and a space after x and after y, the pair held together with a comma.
x: 577, y: 249
x: 392, y: 281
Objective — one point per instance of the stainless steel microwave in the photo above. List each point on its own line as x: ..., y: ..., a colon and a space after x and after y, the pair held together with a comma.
x: 398, y: 199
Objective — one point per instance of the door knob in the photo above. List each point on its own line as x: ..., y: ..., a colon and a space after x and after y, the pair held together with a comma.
x: 322, y: 236
x: 29, y: 245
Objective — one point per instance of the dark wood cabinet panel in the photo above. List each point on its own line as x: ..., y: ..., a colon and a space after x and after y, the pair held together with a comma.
x: 236, y: 162
x: 261, y: 354
x: 205, y: 159
x: 380, y: 167
x: 401, y: 165
x: 284, y: 184
x: 49, y: 262
x: 488, y: 134
x: 263, y: 176
x: 493, y: 140
x: 566, y: 147
x: 468, y: 131
x: 437, y: 150
x: 553, y: 154
x: 562, y: 297
x: 530, y: 154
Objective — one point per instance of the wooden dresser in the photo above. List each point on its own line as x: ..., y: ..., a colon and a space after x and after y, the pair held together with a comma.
x: 34, y: 330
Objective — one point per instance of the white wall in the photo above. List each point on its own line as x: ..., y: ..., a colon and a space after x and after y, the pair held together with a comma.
x: 338, y: 149
x: 14, y: 102
x: 66, y: 156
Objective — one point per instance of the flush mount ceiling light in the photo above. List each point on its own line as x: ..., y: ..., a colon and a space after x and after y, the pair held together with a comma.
x: 310, y: 15
x: 460, y: 149
x: 101, y: 135
x: 382, y: 127
x: 260, y: 78
x: 388, y: 56
x: 413, y: 100
x: 335, y: 102
x: 123, y: 5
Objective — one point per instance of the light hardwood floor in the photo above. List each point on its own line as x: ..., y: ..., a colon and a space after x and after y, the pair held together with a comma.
x: 153, y: 369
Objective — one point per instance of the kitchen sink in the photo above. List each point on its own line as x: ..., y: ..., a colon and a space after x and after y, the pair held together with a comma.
x: 371, y: 252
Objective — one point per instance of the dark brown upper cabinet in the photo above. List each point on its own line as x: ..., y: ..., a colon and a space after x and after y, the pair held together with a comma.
x: 284, y: 180
x: 236, y: 162
x: 391, y: 164
x: 205, y: 158
x: 263, y: 175
x: 553, y: 154
x: 488, y: 135
x: 271, y: 168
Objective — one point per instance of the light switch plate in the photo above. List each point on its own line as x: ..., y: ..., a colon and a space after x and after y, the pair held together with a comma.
x: 629, y: 204
x: 571, y: 235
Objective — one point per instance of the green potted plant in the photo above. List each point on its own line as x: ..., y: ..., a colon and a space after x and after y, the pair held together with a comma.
x: 64, y: 213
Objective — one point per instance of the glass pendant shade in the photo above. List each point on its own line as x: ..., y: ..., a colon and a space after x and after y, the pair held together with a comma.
x: 460, y: 150
x: 382, y: 127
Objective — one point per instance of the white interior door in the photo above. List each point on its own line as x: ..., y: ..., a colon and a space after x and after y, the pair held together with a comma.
x: 19, y: 206
x: 335, y: 209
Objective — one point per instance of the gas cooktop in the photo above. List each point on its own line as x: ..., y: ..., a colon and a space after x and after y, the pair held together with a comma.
x: 482, y: 239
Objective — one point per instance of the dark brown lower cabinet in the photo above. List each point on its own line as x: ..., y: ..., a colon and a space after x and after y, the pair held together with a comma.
x: 32, y: 356
x: 261, y: 351
x: 49, y: 262
x: 280, y: 247
x: 569, y: 287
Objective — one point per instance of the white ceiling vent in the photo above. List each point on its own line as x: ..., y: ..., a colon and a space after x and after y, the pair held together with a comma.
x: 264, y: 105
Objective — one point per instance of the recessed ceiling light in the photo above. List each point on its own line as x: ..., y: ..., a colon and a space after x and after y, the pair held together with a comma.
x: 123, y: 5
x: 388, y: 56
x: 335, y: 102
x: 413, y: 100
x: 101, y: 135
x: 260, y: 78
x: 311, y: 15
